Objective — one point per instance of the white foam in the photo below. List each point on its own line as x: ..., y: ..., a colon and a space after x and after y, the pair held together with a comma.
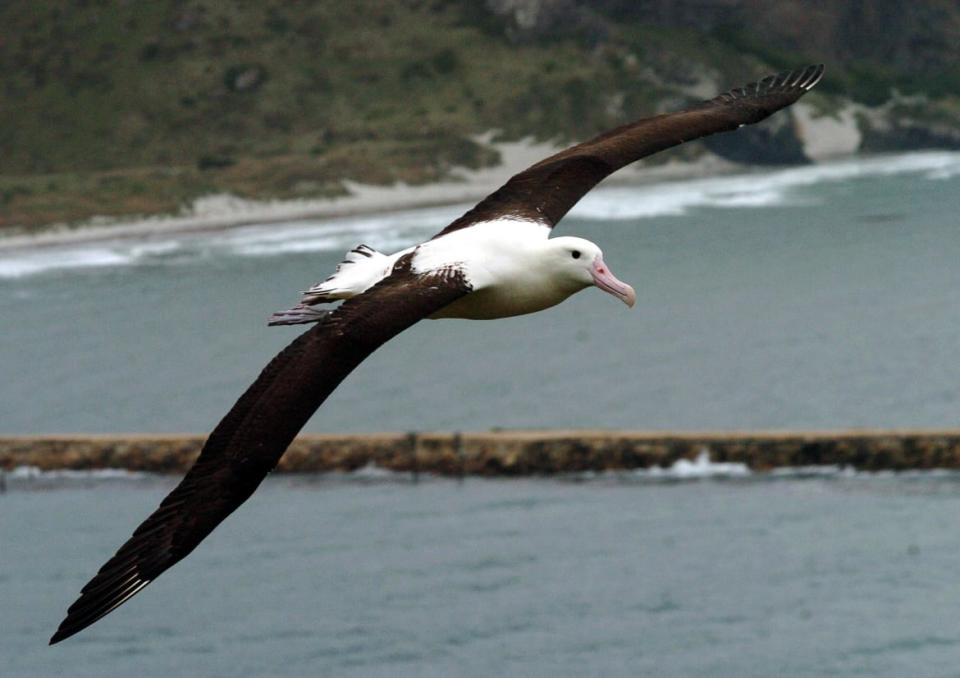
x: 267, y: 249
x: 154, y: 249
x: 817, y: 471
x: 108, y: 254
x: 755, y: 189
x: 703, y: 468
x: 35, y: 473
x: 699, y: 468
x: 385, y: 232
x: 682, y: 469
x: 31, y: 263
x: 371, y: 471
x: 848, y: 472
x: 942, y: 173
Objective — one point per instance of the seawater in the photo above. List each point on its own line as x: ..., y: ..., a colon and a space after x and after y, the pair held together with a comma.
x: 805, y: 298
x: 811, y: 297
x: 616, y: 575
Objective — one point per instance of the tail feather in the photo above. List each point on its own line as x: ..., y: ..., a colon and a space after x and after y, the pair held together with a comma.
x: 357, y: 252
x: 358, y: 270
x: 300, y: 314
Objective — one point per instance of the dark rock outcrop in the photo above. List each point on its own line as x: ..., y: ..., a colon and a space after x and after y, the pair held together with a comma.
x: 772, y: 142
x: 909, y: 135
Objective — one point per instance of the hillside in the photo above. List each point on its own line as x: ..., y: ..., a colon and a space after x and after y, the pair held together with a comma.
x: 116, y: 107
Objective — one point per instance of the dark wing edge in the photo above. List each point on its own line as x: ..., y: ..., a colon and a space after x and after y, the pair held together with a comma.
x: 546, y: 191
x: 249, y: 441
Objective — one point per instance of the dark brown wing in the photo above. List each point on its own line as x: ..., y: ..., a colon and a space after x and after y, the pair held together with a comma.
x: 251, y: 438
x: 546, y: 191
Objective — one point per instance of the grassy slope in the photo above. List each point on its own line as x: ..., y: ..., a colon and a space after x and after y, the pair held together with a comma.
x: 120, y: 107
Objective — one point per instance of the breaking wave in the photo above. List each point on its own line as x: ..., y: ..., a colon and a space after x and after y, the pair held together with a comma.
x: 699, y: 468
x: 41, y: 261
x: 754, y: 189
x: 682, y: 470
x: 703, y: 468
x: 32, y: 477
x: 387, y: 232
x: 33, y: 472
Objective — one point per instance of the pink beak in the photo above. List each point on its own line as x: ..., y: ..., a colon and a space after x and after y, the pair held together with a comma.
x: 607, y: 281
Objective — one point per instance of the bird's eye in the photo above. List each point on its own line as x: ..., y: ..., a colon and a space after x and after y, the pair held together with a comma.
x: 575, y: 254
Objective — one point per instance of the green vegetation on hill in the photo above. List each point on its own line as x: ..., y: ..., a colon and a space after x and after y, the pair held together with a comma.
x: 118, y: 107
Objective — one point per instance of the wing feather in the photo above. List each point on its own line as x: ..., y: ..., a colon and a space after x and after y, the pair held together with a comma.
x: 546, y: 191
x: 251, y: 438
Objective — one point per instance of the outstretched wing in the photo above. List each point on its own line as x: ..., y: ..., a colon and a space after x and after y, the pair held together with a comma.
x: 546, y: 191
x: 252, y: 437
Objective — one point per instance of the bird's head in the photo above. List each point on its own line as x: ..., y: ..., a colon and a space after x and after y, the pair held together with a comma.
x: 581, y: 263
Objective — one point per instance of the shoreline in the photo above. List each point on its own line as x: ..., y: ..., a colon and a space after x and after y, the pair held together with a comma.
x: 223, y: 212
x: 511, y: 453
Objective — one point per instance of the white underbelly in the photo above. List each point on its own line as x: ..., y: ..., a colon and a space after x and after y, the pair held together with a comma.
x: 493, y: 303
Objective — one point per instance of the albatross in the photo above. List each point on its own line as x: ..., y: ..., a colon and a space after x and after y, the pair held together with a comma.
x: 497, y: 260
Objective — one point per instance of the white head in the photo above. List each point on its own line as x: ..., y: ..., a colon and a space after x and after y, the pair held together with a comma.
x: 580, y: 264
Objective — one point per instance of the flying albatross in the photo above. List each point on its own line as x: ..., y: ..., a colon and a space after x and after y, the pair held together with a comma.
x: 497, y: 260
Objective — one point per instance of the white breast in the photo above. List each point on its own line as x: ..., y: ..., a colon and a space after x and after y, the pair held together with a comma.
x: 502, y: 261
x: 489, y: 252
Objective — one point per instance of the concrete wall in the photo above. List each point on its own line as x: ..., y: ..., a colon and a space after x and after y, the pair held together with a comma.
x: 507, y: 452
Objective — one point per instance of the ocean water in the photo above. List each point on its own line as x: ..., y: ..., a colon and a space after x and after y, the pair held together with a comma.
x: 811, y: 297
x: 814, y: 297
x: 837, y: 574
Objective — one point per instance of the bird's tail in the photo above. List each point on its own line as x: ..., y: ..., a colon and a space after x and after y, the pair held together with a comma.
x: 301, y: 314
x: 361, y: 268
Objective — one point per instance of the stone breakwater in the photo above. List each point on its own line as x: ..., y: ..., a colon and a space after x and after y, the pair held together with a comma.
x: 507, y: 452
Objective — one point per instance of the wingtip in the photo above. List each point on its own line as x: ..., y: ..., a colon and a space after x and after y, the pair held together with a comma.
x: 795, y: 83
x: 58, y: 636
x: 97, y: 600
x: 816, y: 76
x: 65, y: 630
x: 809, y: 75
x: 804, y: 78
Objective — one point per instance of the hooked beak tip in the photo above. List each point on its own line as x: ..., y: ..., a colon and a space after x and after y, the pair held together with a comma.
x: 606, y: 281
